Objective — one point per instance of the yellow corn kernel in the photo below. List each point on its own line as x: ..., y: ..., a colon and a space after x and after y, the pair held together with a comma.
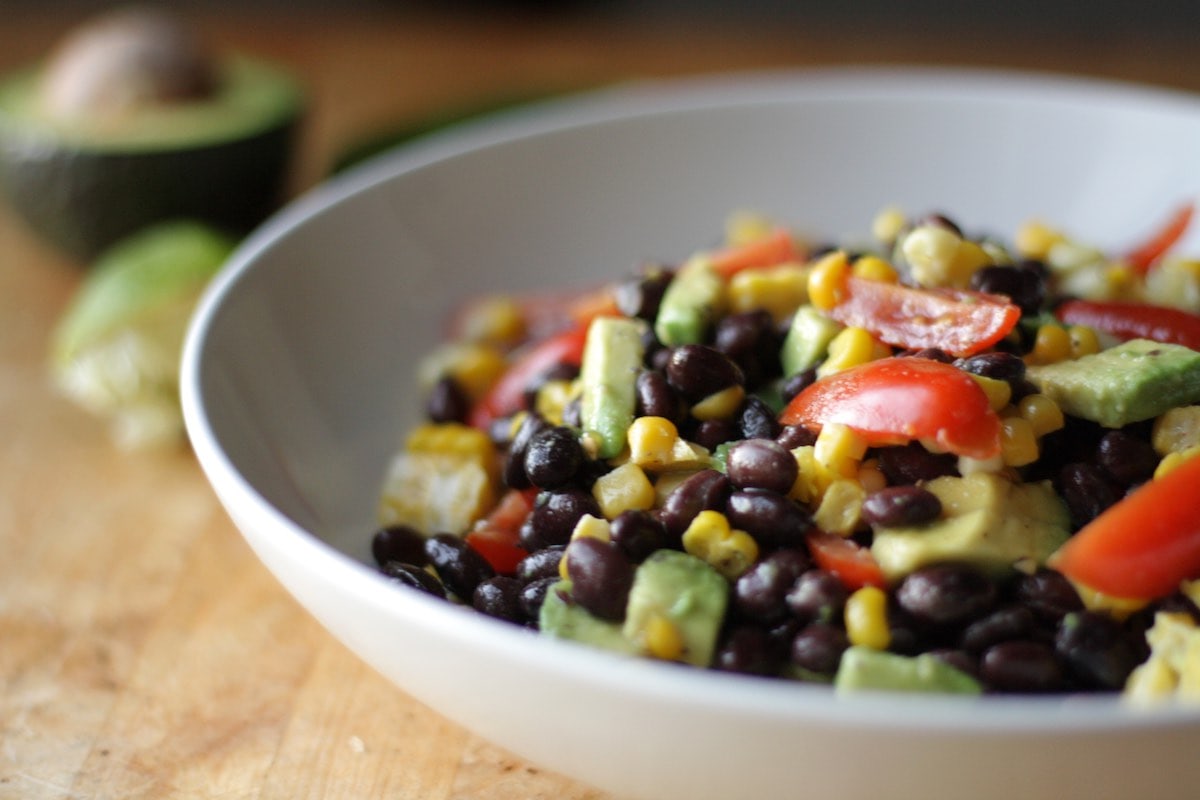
x: 1172, y: 460
x: 495, y: 320
x: 1042, y: 413
x: 998, y: 392
x: 1176, y: 430
x: 1083, y: 340
x: 710, y: 538
x: 744, y: 227
x: 662, y: 638
x: 866, y: 619
x: 841, y: 507
x: 720, y: 405
x: 811, y: 478
x: 839, y: 450
x: 552, y: 397
x: 937, y: 256
x: 1034, y: 240
x: 1051, y: 345
x: 870, y: 476
x: 625, y: 488
x: 1152, y: 680
x: 827, y: 280
x: 453, y: 439
x: 1118, y: 607
x: 652, y: 440
x: 1018, y: 444
x: 888, y: 224
x: 778, y: 290
x: 849, y: 348
x: 473, y: 366
x: 874, y: 268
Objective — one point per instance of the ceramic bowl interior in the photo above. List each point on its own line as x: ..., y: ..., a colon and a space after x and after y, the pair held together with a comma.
x: 298, y: 384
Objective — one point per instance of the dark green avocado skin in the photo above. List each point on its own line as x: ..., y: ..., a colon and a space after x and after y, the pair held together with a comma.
x: 83, y: 200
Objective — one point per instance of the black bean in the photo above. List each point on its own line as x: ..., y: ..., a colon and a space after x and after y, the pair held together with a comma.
x: 757, y: 421
x: 772, y: 519
x: 413, y: 576
x: 552, y: 457
x: 795, y: 384
x: 656, y: 398
x: 761, y: 464
x: 931, y: 354
x: 1126, y: 458
x: 939, y: 220
x: 760, y: 592
x: 539, y: 564
x: 1021, y: 666
x: 1095, y: 649
x: 554, y: 516
x: 638, y: 534
x: 459, y: 566
x: 1026, y: 288
x: 447, y: 402
x: 533, y: 594
x: 747, y: 650
x: 1002, y: 625
x: 912, y: 463
x: 818, y: 648
x: 1048, y: 594
x: 942, y: 595
x: 712, y: 433
x: 399, y: 543
x: 998, y: 366
x: 640, y: 296
x: 697, y: 371
x: 817, y: 596
x: 499, y: 597
x: 707, y: 490
x: 901, y: 505
x: 601, y: 577
x: 1086, y: 490
x: 749, y: 339
x: 959, y: 659
x: 792, y: 436
x: 514, y: 464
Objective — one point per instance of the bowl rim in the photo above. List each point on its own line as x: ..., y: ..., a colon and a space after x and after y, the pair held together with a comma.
x: 771, y: 698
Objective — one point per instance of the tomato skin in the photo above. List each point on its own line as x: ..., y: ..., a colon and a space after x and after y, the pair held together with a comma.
x: 896, y: 400
x: 1143, y: 257
x: 1145, y: 545
x: 958, y: 321
x: 497, y: 537
x: 507, y: 395
x: 1133, y: 321
x: 777, y: 247
x: 852, y: 563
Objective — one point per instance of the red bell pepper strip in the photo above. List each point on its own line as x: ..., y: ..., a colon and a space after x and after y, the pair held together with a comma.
x: 507, y: 395
x: 1143, y: 257
x: 1126, y: 320
x: 1143, y: 546
x: 776, y: 247
x: 497, y: 537
x: 896, y: 400
x: 958, y: 321
x: 854, y: 564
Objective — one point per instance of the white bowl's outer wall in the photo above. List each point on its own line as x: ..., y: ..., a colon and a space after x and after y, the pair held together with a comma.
x: 297, y: 386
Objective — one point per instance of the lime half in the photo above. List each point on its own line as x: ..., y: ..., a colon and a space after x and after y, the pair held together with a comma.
x: 116, y: 349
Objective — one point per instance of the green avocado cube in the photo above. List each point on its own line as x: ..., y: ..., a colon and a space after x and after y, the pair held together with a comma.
x: 865, y: 669
x: 688, y: 592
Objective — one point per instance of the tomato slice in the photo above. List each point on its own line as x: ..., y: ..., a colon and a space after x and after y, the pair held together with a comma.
x: 1143, y: 546
x: 1143, y: 257
x: 846, y: 558
x: 955, y: 320
x: 896, y: 400
x: 776, y: 247
x: 1134, y: 321
x: 507, y: 395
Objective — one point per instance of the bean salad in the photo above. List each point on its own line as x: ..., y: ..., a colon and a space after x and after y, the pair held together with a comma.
x: 928, y: 460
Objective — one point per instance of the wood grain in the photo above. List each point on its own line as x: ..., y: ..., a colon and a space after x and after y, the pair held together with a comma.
x: 144, y: 652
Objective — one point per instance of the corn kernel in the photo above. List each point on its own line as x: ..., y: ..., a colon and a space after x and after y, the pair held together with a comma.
x: 937, y: 256
x: 866, y: 618
x: 870, y: 476
x: 495, y: 320
x: 1051, y: 345
x: 850, y: 348
x: 662, y: 638
x: 1176, y: 430
x: 1018, y: 444
x: 720, y: 405
x: 839, y: 450
x: 1151, y: 680
x: 552, y: 397
x: 652, y: 440
x: 744, y: 227
x: 888, y: 224
x: 827, y: 280
x: 874, y: 268
x: 1172, y: 460
x: 998, y: 392
x: 626, y: 488
x: 841, y: 507
x: 812, y: 479
x: 1034, y: 240
x: 778, y: 290
x: 1118, y: 607
x: 1084, y: 341
x: 1042, y: 413
x: 473, y: 366
x: 709, y: 537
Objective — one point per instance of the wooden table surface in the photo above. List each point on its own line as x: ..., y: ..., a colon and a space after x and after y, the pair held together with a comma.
x: 144, y: 652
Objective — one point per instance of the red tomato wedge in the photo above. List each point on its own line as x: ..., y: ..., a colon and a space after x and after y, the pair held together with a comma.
x: 1143, y: 257
x: 896, y: 400
x: 1143, y: 546
x: 497, y: 536
x: 507, y: 395
x: 777, y: 247
x: 851, y: 562
x: 1134, y: 321
x: 958, y: 321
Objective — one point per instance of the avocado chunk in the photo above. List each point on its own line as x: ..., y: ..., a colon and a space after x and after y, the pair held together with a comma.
x: 1134, y: 381
x: 685, y: 591
x: 986, y: 520
x: 562, y: 618
x: 863, y: 668
x: 130, y: 123
x: 690, y: 303
x: 612, y: 358
x: 807, y: 340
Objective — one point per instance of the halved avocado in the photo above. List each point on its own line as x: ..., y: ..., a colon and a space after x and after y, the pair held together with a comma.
x: 161, y: 134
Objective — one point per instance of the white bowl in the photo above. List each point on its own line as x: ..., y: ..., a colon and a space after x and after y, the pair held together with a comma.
x: 298, y: 385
